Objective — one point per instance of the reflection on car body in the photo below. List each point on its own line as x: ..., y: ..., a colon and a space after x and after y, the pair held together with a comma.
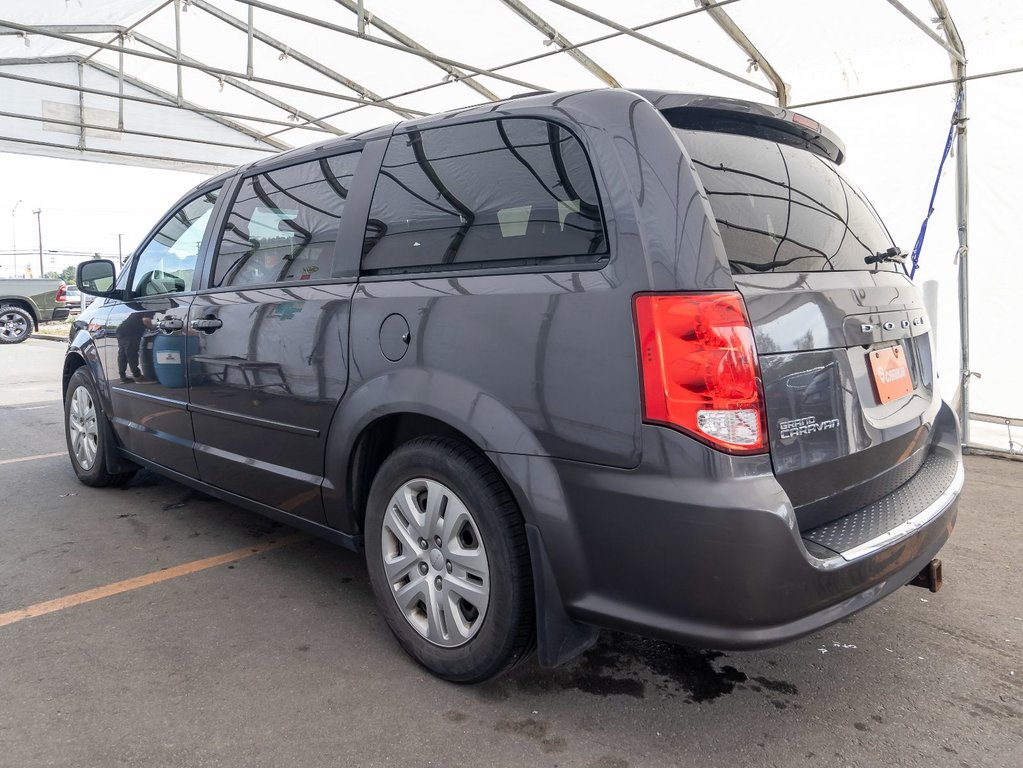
x: 543, y: 361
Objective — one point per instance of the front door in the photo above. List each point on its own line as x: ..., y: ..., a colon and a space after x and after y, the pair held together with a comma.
x: 146, y: 342
x: 270, y: 358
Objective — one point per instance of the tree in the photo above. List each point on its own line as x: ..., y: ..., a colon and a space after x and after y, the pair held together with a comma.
x: 68, y: 275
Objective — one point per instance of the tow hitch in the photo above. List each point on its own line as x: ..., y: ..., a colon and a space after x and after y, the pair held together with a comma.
x: 929, y: 577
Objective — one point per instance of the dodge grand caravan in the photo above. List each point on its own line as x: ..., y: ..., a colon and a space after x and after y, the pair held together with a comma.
x: 618, y: 359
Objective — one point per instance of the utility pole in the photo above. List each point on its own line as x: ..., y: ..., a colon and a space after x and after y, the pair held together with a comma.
x: 39, y: 222
x: 14, y: 237
x: 120, y: 257
x: 14, y: 233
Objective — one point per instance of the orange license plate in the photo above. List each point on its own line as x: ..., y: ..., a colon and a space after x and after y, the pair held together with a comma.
x: 891, y: 373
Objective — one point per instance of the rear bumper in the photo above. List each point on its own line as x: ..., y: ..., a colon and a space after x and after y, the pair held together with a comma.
x: 703, y: 549
x: 60, y: 313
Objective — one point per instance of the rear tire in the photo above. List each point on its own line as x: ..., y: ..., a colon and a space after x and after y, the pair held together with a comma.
x: 16, y: 324
x: 88, y: 433
x: 462, y: 605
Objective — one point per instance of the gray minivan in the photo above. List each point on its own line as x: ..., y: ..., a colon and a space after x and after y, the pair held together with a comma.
x: 618, y: 359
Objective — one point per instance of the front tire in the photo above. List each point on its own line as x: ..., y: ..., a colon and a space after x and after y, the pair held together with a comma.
x: 88, y: 433
x: 16, y: 325
x: 448, y: 560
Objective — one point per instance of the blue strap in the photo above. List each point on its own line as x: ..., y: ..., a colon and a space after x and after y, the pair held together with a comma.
x: 919, y: 244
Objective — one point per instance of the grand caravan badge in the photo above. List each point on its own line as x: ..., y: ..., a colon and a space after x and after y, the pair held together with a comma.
x: 808, y: 425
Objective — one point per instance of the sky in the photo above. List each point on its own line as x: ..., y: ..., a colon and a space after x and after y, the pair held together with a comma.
x: 84, y: 206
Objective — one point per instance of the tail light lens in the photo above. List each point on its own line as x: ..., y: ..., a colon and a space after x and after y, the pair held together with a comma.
x: 699, y: 368
x: 62, y: 292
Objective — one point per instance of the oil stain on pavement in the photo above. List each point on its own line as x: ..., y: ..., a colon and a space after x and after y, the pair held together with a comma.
x: 623, y: 665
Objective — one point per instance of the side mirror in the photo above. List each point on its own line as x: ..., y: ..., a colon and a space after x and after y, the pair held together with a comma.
x: 96, y: 277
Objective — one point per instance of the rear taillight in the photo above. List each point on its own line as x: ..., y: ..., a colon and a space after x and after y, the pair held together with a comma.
x: 699, y: 368
x: 62, y: 292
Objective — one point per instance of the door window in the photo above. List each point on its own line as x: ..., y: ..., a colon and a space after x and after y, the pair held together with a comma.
x: 508, y: 192
x: 284, y: 224
x: 167, y: 263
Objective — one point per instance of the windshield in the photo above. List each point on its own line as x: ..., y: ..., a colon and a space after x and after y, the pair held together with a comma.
x: 783, y: 209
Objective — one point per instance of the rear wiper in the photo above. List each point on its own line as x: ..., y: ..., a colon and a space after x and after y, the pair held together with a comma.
x: 892, y: 254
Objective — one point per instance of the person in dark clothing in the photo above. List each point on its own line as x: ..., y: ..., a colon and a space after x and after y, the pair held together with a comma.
x: 129, y: 339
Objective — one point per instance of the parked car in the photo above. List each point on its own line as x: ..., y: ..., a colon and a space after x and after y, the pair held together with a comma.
x: 26, y: 303
x: 73, y: 297
x: 643, y: 360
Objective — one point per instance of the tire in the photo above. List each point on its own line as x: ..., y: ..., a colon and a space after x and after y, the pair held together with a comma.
x: 16, y: 324
x: 88, y: 433
x: 463, y: 609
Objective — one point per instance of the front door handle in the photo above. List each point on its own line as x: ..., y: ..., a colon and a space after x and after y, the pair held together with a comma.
x: 207, y: 324
x: 171, y: 324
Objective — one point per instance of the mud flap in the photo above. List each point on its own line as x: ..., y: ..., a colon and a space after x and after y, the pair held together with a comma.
x: 559, y: 639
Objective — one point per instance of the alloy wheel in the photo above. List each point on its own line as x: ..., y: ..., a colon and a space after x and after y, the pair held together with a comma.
x: 13, y: 326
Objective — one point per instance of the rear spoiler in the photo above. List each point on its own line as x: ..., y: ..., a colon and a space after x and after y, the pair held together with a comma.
x: 716, y: 113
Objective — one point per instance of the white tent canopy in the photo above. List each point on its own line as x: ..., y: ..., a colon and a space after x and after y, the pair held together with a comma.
x: 209, y: 84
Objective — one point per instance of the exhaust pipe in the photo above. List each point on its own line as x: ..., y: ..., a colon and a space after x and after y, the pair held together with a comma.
x: 929, y: 577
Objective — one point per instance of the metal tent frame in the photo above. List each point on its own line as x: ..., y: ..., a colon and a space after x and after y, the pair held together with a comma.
x: 267, y: 133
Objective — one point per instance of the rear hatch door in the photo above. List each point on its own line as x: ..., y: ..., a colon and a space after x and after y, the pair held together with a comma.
x: 844, y: 341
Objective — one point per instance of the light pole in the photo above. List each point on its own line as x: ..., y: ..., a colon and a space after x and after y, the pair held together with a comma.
x: 14, y: 237
x: 39, y: 223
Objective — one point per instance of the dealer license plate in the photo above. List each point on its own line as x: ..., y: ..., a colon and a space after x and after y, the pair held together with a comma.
x: 891, y: 373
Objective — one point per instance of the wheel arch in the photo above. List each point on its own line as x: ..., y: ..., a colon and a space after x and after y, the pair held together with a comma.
x: 378, y: 440
x: 398, y: 406
x: 72, y: 362
x: 378, y: 416
x: 83, y: 352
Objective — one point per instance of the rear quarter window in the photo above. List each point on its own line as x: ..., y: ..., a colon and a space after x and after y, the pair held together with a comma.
x: 784, y: 209
x: 505, y: 192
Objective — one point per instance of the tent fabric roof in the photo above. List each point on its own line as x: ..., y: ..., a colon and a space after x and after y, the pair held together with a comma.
x: 305, y: 70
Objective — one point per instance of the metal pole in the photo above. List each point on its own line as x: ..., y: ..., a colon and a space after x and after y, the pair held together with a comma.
x: 536, y: 21
x: 166, y: 100
x: 249, y: 67
x: 150, y: 134
x: 243, y: 86
x: 401, y: 37
x: 217, y: 116
x: 81, y: 106
x: 963, y: 218
x: 120, y: 255
x: 368, y: 101
x: 927, y: 30
x: 654, y: 42
x: 177, y: 47
x: 39, y: 222
x: 958, y: 63
x: 120, y: 84
x: 307, y: 60
x: 720, y: 15
x: 354, y: 33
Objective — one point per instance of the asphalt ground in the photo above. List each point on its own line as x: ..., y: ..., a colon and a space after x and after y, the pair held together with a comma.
x: 276, y: 656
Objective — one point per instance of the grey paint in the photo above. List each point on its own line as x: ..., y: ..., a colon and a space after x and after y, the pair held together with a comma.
x: 636, y: 526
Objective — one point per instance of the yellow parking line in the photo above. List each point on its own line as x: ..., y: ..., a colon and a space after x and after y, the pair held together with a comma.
x: 155, y: 577
x: 34, y: 458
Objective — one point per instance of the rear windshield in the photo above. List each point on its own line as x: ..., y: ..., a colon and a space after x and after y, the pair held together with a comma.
x: 783, y: 209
